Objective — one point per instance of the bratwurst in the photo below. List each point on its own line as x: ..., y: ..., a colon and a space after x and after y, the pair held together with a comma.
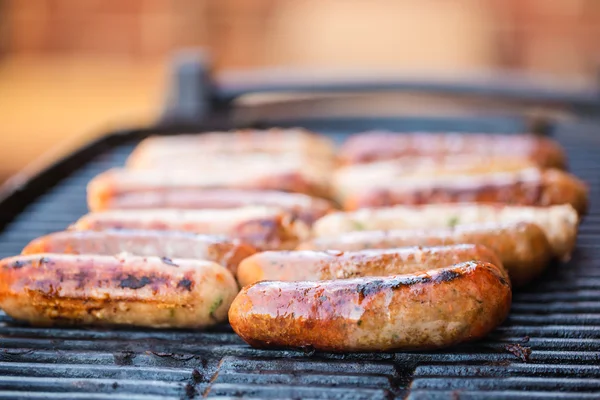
x: 372, y: 146
x: 47, y: 289
x: 322, y: 265
x: 559, y: 223
x: 522, y: 247
x: 422, y: 311
x: 305, y: 207
x: 263, y: 227
x: 172, y: 244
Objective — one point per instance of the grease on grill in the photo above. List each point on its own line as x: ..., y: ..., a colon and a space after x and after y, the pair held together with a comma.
x: 519, y: 351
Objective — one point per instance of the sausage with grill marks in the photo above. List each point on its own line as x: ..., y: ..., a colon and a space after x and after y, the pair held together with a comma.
x: 522, y: 247
x: 422, y: 311
x: 171, y: 244
x: 47, y: 289
x: 262, y: 227
x: 322, y: 265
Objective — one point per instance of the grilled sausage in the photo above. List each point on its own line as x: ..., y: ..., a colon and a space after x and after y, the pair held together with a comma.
x: 524, y: 187
x: 262, y: 227
x: 272, y: 141
x: 305, y: 207
x: 47, y: 289
x: 170, y: 244
x: 372, y: 146
x: 559, y: 223
x: 522, y: 247
x: 322, y: 265
x: 422, y: 311
x: 299, y: 179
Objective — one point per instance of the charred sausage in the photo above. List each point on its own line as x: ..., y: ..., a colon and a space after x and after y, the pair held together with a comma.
x: 559, y: 223
x: 310, y: 265
x: 422, y: 311
x: 303, y: 206
x: 47, y: 289
x: 262, y: 227
x: 522, y: 247
x: 372, y: 146
x: 170, y: 244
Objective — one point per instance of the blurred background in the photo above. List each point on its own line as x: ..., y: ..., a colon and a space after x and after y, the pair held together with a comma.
x: 71, y: 69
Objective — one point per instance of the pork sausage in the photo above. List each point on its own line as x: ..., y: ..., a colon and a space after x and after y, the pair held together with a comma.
x: 559, y: 223
x: 307, y: 265
x: 47, y: 289
x: 171, y: 244
x: 522, y: 247
x: 422, y: 311
x: 262, y: 227
x: 372, y: 146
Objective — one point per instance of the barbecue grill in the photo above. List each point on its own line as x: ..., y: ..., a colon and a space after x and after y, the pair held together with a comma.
x: 548, y: 347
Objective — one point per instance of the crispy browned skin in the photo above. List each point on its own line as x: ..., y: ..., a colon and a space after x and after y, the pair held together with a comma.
x: 428, y: 310
x: 47, y: 289
x: 263, y: 227
x: 116, y: 182
x: 522, y: 247
x: 171, y: 244
x: 311, y: 265
x: 303, y: 206
x: 372, y: 146
x: 553, y: 188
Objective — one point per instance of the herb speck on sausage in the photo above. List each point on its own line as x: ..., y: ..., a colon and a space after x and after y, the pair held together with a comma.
x: 168, y: 261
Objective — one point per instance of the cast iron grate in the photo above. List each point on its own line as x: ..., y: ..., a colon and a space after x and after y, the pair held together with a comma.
x: 557, y: 318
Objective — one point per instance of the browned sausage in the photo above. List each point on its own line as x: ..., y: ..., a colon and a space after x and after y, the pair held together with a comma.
x: 372, y: 146
x: 303, y: 206
x: 310, y: 265
x: 524, y: 187
x: 428, y: 310
x: 47, y: 289
x: 270, y: 142
x: 522, y: 247
x: 559, y: 223
x: 170, y: 244
x: 262, y: 227
x: 119, y: 181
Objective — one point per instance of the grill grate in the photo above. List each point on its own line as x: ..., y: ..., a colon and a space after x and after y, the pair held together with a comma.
x: 558, y: 318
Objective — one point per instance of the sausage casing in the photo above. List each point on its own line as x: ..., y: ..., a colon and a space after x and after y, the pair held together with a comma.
x: 522, y: 247
x: 170, y: 244
x: 428, y: 310
x: 47, y: 289
x: 371, y: 146
x: 559, y: 223
x: 524, y: 187
x: 262, y: 227
x: 323, y: 265
x: 300, y: 205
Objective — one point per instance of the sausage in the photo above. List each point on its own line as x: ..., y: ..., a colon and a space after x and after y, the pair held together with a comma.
x: 310, y: 265
x: 169, y: 244
x: 263, y: 227
x: 305, y: 207
x: 373, y: 146
x: 422, y: 311
x: 272, y: 141
x: 522, y: 246
x: 559, y: 223
x: 47, y: 289
x: 525, y: 187
x: 297, y: 179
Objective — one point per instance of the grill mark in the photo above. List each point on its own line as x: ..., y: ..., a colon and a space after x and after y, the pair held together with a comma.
x: 133, y: 282
x: 185, y: 284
